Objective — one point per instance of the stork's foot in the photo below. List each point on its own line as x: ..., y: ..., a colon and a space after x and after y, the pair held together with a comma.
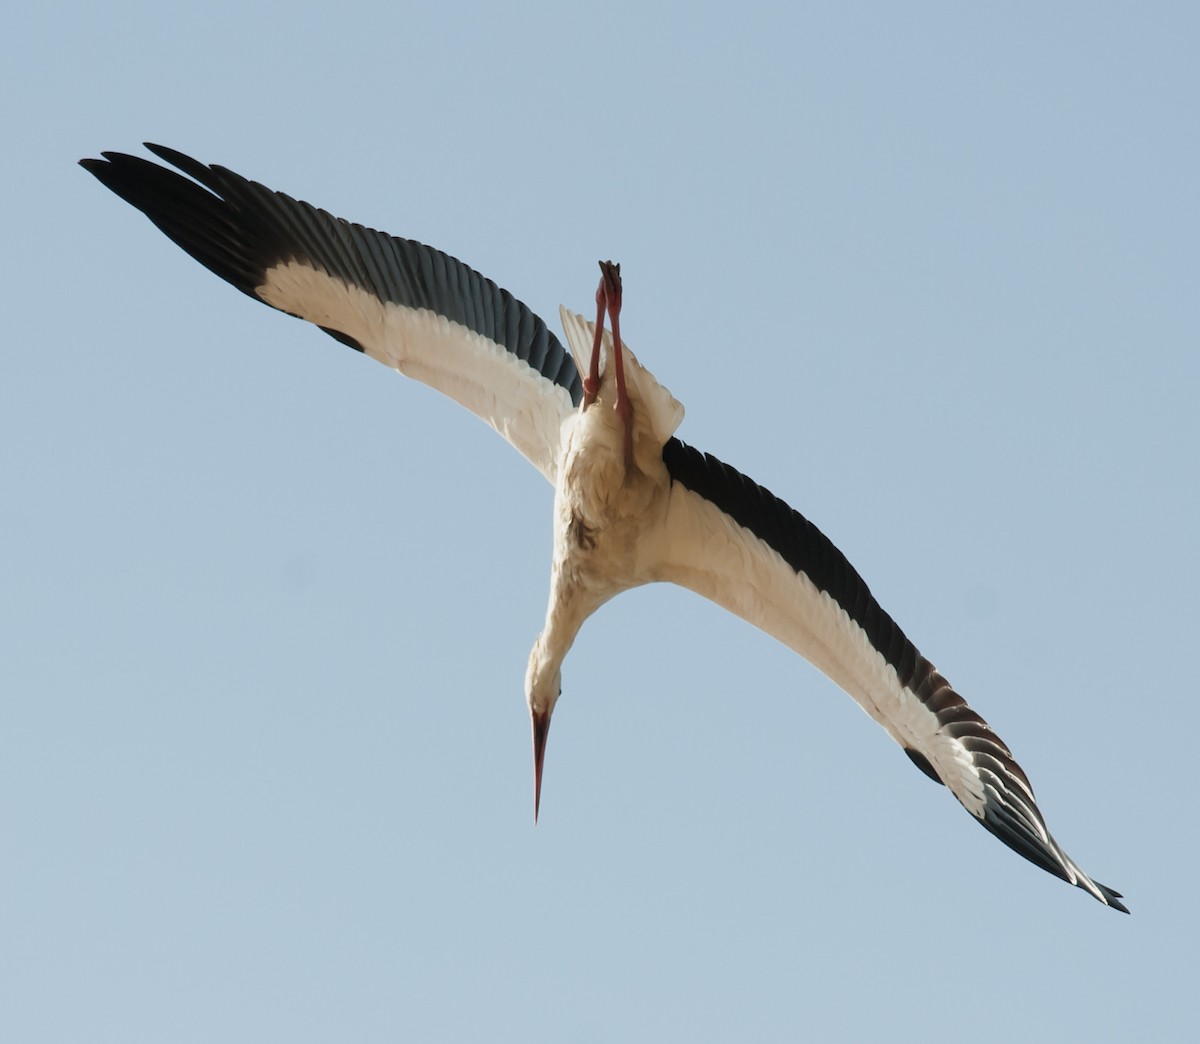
x: 608, y: 293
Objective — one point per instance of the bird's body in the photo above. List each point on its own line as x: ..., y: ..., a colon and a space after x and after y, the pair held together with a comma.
x: 632, y: 504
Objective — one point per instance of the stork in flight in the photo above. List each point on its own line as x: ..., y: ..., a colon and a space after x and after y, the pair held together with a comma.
x: 632, y: 503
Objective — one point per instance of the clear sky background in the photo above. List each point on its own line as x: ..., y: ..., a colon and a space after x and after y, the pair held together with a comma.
x: 926, y: 270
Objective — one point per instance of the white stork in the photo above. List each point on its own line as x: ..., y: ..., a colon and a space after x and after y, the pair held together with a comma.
x: 632, y: 504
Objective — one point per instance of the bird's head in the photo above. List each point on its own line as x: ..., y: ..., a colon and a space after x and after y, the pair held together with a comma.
x: 543, y: 686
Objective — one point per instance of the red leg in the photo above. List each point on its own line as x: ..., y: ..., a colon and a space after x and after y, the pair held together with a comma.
x: 591, y: 383
x: 623, y: 407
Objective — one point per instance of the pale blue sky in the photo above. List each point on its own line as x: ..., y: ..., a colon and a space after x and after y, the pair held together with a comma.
x: 928, y: 271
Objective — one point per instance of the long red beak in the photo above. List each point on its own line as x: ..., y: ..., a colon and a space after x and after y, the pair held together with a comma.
x: 541, y: 728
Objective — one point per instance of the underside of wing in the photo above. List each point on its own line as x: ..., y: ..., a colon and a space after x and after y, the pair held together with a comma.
x: 407, y: 305
x: 730, y: 540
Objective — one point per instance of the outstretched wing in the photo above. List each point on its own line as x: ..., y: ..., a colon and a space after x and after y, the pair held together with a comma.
x: 407, y: 305
x: 730, y: 540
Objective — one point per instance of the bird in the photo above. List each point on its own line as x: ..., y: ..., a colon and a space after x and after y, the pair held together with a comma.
x: 633, y: 504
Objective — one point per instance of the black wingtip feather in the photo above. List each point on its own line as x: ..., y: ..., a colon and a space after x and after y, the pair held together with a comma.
x: 197, y: 220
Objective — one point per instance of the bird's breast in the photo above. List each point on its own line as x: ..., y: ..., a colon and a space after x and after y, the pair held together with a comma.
x: 603, y: 508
